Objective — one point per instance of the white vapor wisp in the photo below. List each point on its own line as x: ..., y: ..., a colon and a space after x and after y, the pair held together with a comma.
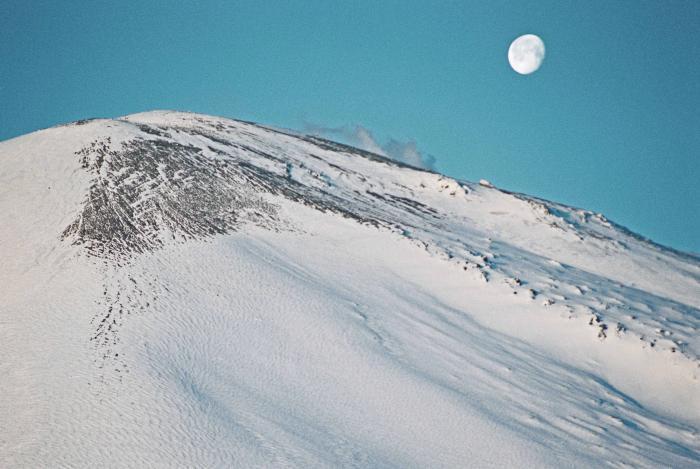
x: 361, y: 137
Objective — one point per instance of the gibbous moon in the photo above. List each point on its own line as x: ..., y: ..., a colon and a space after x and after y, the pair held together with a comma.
x: 526, y: 54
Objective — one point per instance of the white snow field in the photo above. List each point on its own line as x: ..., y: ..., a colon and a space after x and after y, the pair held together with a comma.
x: 180, y: 290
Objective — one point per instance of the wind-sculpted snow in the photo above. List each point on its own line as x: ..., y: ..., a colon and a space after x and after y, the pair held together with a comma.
x: 186, y: 290
x: 150, y: 190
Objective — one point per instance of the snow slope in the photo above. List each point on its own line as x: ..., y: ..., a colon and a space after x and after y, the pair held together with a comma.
x: 186, y: 290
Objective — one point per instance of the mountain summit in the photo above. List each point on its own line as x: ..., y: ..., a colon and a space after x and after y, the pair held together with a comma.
x: 187, y: 290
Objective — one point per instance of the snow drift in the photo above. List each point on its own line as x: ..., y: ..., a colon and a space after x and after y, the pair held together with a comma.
x: 186, y: 290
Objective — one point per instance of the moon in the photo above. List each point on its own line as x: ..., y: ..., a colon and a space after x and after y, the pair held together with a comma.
x: 526, y: 54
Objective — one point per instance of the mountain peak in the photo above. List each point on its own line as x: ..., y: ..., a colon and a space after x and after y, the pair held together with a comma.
x: 181, y: 222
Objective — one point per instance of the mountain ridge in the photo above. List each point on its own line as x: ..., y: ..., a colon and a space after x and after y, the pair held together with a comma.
x: 312, y: 137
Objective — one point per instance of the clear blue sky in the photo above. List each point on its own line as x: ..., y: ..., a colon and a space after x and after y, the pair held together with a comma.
x: 611, y: 122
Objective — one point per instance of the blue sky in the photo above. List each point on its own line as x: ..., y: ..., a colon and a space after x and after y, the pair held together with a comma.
x: 611, y: 122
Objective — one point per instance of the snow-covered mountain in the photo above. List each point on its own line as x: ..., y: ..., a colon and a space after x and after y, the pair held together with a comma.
x: 186, y: 290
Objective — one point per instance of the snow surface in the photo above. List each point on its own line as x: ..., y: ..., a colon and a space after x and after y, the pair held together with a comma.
x: 186, y: 290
